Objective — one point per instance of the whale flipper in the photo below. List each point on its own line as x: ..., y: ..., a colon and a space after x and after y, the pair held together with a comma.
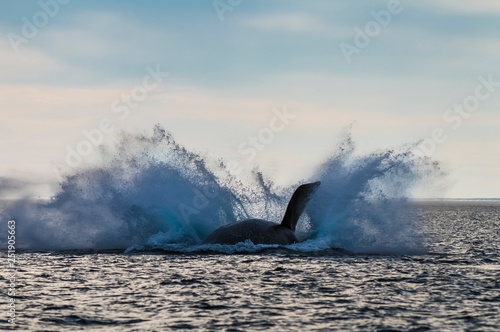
x: 263, y: 231
x: 297, y: 203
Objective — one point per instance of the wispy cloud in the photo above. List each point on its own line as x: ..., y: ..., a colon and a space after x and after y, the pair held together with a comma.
x: 98, y: 35
x: 293, y: 23
x: 27, y: 65
x: 467, y: 6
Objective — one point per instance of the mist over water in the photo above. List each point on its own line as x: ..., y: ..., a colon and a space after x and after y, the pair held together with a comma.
x: 149, y: 192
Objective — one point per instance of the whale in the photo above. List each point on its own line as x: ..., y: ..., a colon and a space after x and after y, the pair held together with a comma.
x: 263, y: 231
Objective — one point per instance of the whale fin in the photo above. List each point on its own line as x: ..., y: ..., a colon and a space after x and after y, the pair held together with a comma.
x: 297, y: 203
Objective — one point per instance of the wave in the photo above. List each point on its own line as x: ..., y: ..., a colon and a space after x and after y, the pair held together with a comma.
x: 148, y: 192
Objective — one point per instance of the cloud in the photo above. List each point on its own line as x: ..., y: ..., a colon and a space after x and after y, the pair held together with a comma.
x: 293, y: 23
x: 467, y: 6
x: 91, y: 48
x: 25, y: 65
x: 108, y: 35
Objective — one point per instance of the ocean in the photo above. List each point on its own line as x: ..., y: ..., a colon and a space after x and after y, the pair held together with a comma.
x: 118, y: 248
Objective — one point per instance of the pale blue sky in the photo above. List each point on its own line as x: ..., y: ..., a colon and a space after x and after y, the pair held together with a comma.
x: 226, y: 77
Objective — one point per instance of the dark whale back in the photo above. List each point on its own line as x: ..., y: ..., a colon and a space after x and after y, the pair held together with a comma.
x: 256, y: 230
x: 266, y: 232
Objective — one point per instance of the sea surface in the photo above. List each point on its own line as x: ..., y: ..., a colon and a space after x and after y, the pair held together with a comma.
x: 453, y: 286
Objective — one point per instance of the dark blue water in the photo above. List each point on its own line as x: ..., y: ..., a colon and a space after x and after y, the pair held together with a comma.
x: 455, y: 286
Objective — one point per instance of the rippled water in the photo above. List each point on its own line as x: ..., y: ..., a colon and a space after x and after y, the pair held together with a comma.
x: 455, y: 286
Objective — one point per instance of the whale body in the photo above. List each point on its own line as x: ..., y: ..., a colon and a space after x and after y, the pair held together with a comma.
x: 266, y: 232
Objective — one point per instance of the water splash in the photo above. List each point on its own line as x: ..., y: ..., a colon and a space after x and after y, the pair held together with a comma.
x: 149, y: 192
x: 145, y: 185
x: 363, y: 203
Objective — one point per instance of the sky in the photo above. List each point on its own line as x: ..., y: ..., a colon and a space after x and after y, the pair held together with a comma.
x: 292, y: 74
